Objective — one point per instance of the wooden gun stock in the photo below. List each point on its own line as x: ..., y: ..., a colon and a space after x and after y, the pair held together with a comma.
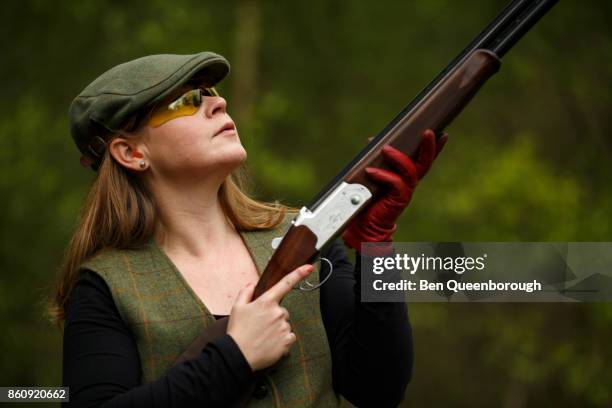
x: 296, y: 249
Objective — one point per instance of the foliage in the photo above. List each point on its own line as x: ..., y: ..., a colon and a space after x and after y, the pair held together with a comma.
x: 528, y: 160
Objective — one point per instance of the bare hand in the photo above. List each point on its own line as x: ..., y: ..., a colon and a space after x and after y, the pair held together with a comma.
x: 261, y: 328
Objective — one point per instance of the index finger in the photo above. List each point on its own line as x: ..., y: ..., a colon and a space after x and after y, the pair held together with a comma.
x: 283, y: 286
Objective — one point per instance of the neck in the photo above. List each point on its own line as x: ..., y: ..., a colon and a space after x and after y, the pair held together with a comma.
x: 191, y: 221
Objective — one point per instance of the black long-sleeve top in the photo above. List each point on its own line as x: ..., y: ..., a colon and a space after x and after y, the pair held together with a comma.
x: 370, y: 344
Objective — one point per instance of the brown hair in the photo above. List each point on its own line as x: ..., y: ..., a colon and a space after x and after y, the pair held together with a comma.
x: 119, y: 212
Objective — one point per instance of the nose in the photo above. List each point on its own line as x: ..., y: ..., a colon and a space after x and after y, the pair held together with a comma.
x: 215, y: 104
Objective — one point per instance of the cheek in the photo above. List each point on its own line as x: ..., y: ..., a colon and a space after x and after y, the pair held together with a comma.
x: 178, y: 142
x: 174, y: 150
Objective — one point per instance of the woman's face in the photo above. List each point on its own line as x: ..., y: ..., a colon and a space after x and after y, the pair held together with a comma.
x: 205, y: 143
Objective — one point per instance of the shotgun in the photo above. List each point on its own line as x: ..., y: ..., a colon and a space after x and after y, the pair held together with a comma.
x: 347, y: 194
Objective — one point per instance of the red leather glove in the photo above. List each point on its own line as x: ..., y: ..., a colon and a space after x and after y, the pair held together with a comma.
x: 376, y: 223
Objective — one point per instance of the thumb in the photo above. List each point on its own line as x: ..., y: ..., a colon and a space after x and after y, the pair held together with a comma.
x: 385, y: 177
x: 245, y: 295
x: 399, y: 191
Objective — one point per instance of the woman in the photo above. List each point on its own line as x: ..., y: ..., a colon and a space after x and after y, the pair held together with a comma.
x: 168, y: 241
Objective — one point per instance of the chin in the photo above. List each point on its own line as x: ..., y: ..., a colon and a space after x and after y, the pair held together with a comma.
x: 238, y: 153
x: 232, y: 158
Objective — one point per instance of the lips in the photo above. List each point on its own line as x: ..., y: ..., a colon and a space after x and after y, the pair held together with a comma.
x: 227, y: 126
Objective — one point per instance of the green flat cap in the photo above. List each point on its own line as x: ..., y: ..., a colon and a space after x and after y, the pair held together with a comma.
x: 117, y: 95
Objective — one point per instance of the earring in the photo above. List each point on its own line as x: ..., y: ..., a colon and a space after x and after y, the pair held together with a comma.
x: 142, y: 164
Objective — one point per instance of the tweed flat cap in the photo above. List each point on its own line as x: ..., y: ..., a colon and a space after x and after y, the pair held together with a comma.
x: 113, y: 98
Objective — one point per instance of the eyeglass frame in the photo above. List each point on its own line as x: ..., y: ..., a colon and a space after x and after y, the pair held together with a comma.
x: 148, y: 114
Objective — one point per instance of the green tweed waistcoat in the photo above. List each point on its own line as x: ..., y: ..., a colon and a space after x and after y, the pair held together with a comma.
x: 165, y: 316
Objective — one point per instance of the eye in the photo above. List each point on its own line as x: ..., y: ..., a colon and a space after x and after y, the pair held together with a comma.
x: 210, y: 91
x: 191, y: 98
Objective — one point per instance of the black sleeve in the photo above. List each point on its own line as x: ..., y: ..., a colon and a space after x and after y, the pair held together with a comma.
x: 371, y: 343
x: 101, y: 364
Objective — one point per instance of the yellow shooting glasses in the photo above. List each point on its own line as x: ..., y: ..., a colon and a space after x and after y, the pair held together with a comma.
x: 186, y: 104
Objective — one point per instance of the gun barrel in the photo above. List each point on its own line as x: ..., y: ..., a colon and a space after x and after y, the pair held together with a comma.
x: 519, y: 24
x: 498, y: 36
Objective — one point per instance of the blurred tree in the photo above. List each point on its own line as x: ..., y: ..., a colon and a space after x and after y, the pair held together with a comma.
x: 528, y: 160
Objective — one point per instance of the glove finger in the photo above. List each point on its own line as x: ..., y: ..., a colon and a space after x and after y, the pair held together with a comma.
x: 427, y: 152
x: 402, y: 163
x: 399, y: 192
x: 440, y: 144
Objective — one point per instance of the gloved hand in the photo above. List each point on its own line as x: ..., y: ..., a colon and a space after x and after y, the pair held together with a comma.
x: 376, y: 223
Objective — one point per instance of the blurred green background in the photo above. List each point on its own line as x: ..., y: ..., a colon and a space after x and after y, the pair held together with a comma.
x: 528, y: 160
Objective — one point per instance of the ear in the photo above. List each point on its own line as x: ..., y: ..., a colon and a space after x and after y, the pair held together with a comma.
x: 126, y: 154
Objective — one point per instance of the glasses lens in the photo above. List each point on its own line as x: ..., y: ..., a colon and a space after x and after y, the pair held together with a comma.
x: 210, y: 91
x: 186, y: 105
